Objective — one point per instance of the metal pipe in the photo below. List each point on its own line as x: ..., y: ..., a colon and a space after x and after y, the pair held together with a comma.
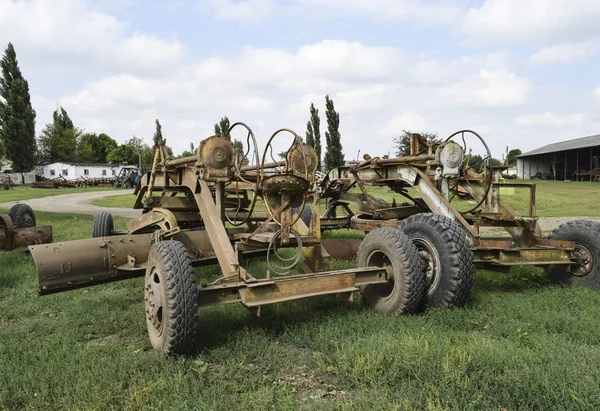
x: 180, y: 161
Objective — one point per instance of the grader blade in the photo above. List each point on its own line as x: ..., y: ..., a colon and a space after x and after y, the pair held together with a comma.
x: 75, y: 264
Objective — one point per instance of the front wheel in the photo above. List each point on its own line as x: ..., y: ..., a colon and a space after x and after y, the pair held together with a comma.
x: 171, y: 298
x: 586, y: 270
x: 22, y: 216
x: 386, y: 247
x: 103, y: 224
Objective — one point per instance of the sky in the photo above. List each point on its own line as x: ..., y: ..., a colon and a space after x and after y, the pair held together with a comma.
x: 521, y: 73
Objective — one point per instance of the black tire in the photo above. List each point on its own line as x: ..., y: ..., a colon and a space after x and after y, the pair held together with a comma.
x: 103, y: 224
x: 171, y: 298
x: 447, y: 257
x: 586, y: 236
x: 128, y: 184
x: 306, y: 215
x: 22, y: 216
x: 389, y: 246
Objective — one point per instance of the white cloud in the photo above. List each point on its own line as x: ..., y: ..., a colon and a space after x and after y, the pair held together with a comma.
x: 597, y: 93
x: 74, y: 33
x: 565, y: 52
x: 376, y: 90
x: 549, y: 119
x: 538, y: 21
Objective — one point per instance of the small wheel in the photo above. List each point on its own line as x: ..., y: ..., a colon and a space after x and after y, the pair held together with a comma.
x: 385, y: 247
x: 103, y: 224
x: 22, y: 216
x: 586, y: 236
x: 171, y: 298
x: 128, y: 184
x: 448, y: 260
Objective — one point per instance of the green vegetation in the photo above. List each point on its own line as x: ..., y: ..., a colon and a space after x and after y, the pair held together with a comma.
x: 553, y: 198
x: 334, y: 154
x: 17, y: 116
x: 20, y: 193
x: 520, y: 343
x: 124, y: 200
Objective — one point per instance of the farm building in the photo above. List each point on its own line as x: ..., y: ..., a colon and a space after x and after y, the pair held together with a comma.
x: 577, y: 160
x: 72, y: 171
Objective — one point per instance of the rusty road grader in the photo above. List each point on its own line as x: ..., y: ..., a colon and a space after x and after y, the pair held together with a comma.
x: 226, y: 206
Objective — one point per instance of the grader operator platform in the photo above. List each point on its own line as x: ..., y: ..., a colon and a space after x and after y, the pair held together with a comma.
x: 226, y: 206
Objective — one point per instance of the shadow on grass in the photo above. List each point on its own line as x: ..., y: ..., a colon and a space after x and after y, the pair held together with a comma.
x: 520, y: 279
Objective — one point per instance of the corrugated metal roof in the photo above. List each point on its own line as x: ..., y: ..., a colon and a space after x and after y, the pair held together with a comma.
x: 583, y: 142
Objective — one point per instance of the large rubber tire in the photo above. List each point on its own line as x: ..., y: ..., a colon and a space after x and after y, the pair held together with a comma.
x: 388, y: 246
x: 171, y: 298
x: 306, y: 215
x: 22, y: 216
x: 103, y: 224
x: 447, y: 257
x: 586, y: 236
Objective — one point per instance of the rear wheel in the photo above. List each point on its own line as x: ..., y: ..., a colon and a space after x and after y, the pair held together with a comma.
x: 385, y: 247
x: 22, y: 216
x: 586, y: 236
x: 103, y: 225
x: 171, y: 298
x: 448, y: 260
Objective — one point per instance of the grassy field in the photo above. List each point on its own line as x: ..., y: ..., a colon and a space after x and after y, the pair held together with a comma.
x: 554, y: 199
x: 27, y: 192
x: 521, y: 343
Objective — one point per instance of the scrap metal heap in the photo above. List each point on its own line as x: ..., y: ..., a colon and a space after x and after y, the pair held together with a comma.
x: 201, y: 210
x: 18, y: 229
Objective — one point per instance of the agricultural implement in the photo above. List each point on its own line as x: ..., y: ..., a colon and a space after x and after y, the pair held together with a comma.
x: 429, y: 179
x: 6, y: 183
x: 18, y: 229
x: 226, y: 206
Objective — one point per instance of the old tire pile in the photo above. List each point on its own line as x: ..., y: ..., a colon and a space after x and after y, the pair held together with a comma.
x: 103, y: 224
x: 447, y: 257
x: 586, y: 236
x: 385, y: 247
x: 171, y: 298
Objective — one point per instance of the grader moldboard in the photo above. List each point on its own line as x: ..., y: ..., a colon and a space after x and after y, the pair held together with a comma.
x: 201, y: 210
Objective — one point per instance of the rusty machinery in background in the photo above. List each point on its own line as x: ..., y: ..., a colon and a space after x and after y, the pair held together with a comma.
x: 429, y: 179
x: 226, y: 206
x: 18, y: 229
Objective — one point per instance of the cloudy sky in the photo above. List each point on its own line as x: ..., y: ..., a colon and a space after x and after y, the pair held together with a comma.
x: 522, y: 73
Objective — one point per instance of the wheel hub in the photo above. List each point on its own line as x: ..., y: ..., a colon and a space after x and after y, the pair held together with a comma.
x: 585, y: 261
x: 154, y: 298
x: 429, y: 257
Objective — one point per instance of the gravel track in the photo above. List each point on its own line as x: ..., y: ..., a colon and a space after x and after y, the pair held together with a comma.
x: 77, y: 203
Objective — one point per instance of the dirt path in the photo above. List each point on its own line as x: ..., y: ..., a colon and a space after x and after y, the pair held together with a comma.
x: 77, y: 203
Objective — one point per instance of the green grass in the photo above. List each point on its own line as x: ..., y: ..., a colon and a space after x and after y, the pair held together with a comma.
x: 27, y: 192
x: 124, y: 200
x: 521, y: 343
x: 553, y: 198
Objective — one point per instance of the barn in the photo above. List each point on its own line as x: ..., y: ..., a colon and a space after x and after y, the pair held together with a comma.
x: 572, y: 160
x: 72, y: 171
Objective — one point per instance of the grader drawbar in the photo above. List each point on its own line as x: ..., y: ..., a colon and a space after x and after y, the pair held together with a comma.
x: 202, y: 210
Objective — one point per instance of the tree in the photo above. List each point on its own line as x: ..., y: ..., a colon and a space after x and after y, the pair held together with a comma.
x: 191, y: 152
x: 59, y: 139
x: 511, y: 157
x: 402, y: 142
x: 158, y: 133
x: 334, y: 157
x: 94, y: 148
x: 313, y: 132
x: 17, y: 116
x: 222, y: 127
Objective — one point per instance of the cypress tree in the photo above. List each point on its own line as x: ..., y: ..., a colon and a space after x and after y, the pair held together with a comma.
x: 334, y: 157
x: 313, y: 131
x: 17, y: 116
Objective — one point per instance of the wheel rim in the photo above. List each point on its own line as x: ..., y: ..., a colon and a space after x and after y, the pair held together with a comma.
x: 431, y: 260
x: 586, y: 261
x: 155, y: 302
x: 27, y: 220
x: 378, y: 258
